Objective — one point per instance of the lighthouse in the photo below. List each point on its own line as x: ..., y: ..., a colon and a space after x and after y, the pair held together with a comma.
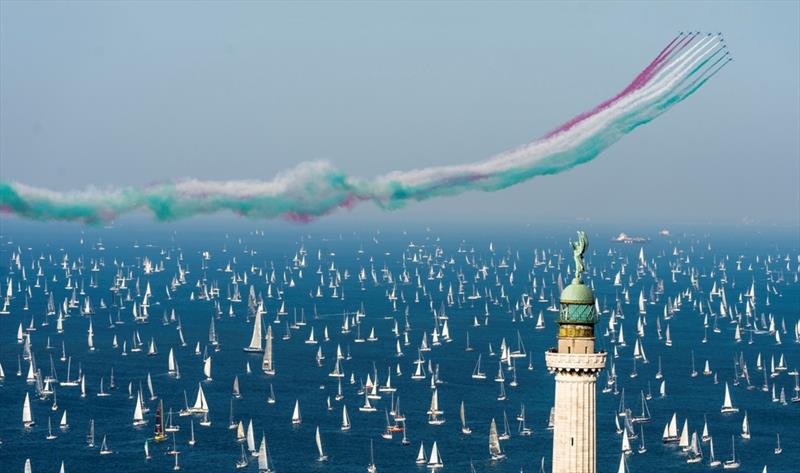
x: 576, y: 366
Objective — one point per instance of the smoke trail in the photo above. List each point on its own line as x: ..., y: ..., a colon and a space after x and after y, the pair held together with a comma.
x: 314, y: 189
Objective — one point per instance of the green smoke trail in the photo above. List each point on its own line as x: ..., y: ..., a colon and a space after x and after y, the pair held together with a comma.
x: 317, y: 189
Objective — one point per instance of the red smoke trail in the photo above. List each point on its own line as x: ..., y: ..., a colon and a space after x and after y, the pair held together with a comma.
x: 637, y: 82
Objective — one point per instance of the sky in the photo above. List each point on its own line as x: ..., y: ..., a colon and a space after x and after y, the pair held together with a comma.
x: 132, y: 93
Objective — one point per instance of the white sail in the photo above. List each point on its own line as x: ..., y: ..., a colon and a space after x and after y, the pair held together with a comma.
x: 171, y: 361
x: 255, y: 339
x: 421, y: 454
x: 684, y: 439
x: 435, y: 460
x: 673, y: 426
x: 263, y: 465
x: 745, y: 427
x: 207, y: 368
x: 495, y: 450
x: 296, y: 419
x: 626, y: 443
x: 267, y: 363
x: 727, y: 405
x: 200, y: 404
x: 318, y: 440
x: 462, y: 415
x: 622, y: 468
x: 345, y: 418
x: 138, y: 416
x: 251, y: 441
x: 27, y: 415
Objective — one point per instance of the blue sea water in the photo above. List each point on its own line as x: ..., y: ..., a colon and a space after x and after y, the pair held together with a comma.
x: 772, y: 255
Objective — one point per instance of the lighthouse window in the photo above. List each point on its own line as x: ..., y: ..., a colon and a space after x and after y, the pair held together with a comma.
x: 569, y: 349
x: 572, y: 441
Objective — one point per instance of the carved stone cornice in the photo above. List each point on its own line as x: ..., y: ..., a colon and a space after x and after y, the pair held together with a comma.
x: 575, y: 362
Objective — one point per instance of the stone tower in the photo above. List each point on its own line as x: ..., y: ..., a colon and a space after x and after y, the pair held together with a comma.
x: 576, y: 366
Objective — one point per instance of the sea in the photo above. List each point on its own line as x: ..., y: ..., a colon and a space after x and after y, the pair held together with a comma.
x: 417, y: 277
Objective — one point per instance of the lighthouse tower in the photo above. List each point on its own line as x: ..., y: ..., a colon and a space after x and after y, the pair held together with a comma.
x: 576, y: 366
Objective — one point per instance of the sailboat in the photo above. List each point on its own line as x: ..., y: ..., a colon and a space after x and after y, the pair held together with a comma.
x: 645, y: 415
x: 727, y: 405
x: 464, y: 428
x: 421, y: 457
x: 263, y: 459
x: 434, y: 414
x: 477, y: 373
x: 296, y: 419
x: 404, y: 441
x: 104, y: 450
x: 50, y: 435
x: 255, y: 339
x: 435, y: 461
x: 495, y: 450
x: 712, y: 460
x: 523, y: 429
x: 671, y: 430
x: 243, y: 462
x: 63, y: 425
x: 200, y: 404
x: 371, y: 468
x: 345, y: 419
x: 642, y: 448
x: 27, y: 415
x: 683, y: 442
x: 367, y: 407
x: 251, y: 439
x: 138, y: 415
x: 505, y: 435
x: 147, y: 455
x: 706, y: 436
x: 745, y: 427
x: 90, y: 434
x: 171, y: 366
x: 501, y: 396
x: 207, y: 369
x: 695, y: 453
x: 733, y: 463
x: 236, y: 393
x: 204, y: 421
x: 387, y: 433
x: 267, y: 363
x: 322, y: 457
x: 159, y: 433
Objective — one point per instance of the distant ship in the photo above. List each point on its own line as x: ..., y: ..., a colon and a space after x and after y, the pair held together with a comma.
x: 625, y: 238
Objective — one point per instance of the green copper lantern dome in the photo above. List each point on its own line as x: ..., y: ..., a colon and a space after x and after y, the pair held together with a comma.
x: 577, y: 293
x: 577, y: 305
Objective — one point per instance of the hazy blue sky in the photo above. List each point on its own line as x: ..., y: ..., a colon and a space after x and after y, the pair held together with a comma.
x: 111, y: 93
